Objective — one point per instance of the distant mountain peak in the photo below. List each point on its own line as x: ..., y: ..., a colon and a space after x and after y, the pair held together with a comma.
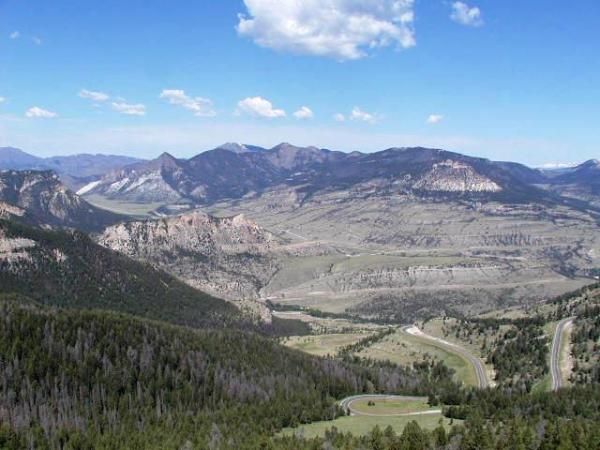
x: 13, y: 150
x: 592, y: 163
x: 285, y: 146
x: 234, y: 147
x: 238, y: 148
x: 14, y: 158
x: 165, y: 160
x: 166, y: 155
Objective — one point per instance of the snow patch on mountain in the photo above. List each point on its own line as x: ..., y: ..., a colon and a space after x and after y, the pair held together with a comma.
x: 88, y: 187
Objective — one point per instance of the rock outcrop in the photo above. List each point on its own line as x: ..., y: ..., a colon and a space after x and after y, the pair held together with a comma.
x: 231, y: 257
x: 40, y: 198
x: 453, y: 176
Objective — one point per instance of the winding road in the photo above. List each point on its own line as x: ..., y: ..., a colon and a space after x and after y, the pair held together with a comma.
x: 555, y: 353
x: 346, y: 405
x: 482, y: 379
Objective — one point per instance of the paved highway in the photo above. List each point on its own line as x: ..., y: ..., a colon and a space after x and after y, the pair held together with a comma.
x: 555, y: 353
x: 482, y: 379
x: 346, y: 405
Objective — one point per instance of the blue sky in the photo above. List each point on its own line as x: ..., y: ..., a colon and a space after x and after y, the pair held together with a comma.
x: 508, y: 79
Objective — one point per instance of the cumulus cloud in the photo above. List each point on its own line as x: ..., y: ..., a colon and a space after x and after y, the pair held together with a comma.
x: 435, y: 119
x: 359, y: 114
x: 340, y: 29
x: 259, y: 107
x: 466, y: 15
x: 339, y: 117
x: 14, y: 35
x: 201, y: 107
x: 304, y: 113
x: 129, y: 109
x: 36, y: 112
x: 94, y: 95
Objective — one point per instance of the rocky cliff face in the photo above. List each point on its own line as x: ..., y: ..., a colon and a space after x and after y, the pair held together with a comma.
x: 40, y: 198
x: 8, y: 211
x: 231, y: 257
x: 452, y: 176
x: 13, y: 249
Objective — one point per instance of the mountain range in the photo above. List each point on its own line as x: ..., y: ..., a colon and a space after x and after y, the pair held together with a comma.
x: 75, y: 170
x: 582, y: 181
x: 405, y: 232
x: 234, y: 170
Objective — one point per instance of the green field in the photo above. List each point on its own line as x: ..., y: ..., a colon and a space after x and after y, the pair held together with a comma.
x: 379, y: 261
x: 474, y: 343
x: 362, y: 425
x: 121, y: 207
x: 393, y: 406
x: 297, y: 271
x: 404, y: 349
x: 325, y: 344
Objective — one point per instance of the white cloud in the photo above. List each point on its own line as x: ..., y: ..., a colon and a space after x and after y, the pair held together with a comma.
x: 38, y: 113
x: 201, y: 107
x: 260, y: 107
x: 94, y: 95
x: 36, y: 40
x: 2, y: 99
x: 339, y: 117
x: 14, y: 35
x: 359, y: 114
x: 435, y: 119
x: 129, y: 109
x: 466, y: 15
x: 304, y: 113
x: 341, y: 29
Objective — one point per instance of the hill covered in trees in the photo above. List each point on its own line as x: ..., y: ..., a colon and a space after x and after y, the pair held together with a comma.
x: 97, y: 379
x: 66, y: 268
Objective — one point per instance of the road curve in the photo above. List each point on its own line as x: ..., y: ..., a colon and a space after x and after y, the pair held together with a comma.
x: 346, y: 405
x: 482, y: 379
x: 555, y: 353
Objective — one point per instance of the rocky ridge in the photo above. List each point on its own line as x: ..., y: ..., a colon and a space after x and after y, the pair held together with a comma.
x: 40, y: 198
x: 231, y: 257
x: 235, y: 171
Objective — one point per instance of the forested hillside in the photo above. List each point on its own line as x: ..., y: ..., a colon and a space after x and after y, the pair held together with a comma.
x: 516, y: 348
x: 92, y: 379
x: 65, y: 268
